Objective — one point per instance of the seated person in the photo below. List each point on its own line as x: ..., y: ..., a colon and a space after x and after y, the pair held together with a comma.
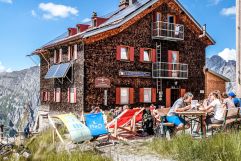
x: 182, y: 104
x: 236, y: 100
x: 227, y: 101
x: 216, y: 107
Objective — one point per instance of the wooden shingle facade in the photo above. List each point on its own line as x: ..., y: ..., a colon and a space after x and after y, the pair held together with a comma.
x: 152, y: 55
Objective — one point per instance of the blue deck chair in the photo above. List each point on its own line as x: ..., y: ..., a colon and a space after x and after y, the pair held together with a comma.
x: 95, y: 123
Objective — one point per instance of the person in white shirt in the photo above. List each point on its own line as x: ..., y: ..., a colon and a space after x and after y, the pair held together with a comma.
x: 216, y: 107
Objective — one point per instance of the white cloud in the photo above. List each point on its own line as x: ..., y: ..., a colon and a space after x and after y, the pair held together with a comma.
x: 85, y: 20
x: 214, y: 2
x: 228, y: 54
x: 7, y: 1
x: 52, y: 11
x: 3, y: 68
x: 229, y: 11
x: 34, y: 14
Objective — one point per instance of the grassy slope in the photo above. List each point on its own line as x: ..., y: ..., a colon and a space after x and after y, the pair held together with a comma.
x: 221, y: 147
x: 43, y: 150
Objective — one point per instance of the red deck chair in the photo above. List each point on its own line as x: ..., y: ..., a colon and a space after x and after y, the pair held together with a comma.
x: 126, y: 121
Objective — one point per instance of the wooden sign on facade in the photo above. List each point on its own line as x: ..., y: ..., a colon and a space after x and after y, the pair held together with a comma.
x: 102, y: 82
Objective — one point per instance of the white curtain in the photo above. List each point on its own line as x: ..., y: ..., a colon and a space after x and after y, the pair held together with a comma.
x: 147, y: 95
x: 124, y: 95
x: 124, y: 53
x: 146, y: 55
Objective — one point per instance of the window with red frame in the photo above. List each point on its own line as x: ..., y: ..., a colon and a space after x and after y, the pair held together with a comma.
x: 125, y: 53
x: 147, y: 55
x: 147, y: 95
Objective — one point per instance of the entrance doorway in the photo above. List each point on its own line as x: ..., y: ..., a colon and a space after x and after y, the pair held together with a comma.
x: 172, y: 94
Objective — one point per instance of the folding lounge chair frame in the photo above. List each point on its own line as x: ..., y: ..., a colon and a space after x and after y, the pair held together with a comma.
x: 95, y: 138
x: 132, y: 122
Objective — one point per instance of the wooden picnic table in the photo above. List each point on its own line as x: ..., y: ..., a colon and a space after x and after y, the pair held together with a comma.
x: 197, y: 114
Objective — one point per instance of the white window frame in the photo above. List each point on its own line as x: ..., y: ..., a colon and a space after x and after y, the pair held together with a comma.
x: 147, y: 95
x: 124, y: 94
x: 127, y: 53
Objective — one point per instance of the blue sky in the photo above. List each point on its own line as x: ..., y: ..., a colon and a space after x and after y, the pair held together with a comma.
x: 28, y: 25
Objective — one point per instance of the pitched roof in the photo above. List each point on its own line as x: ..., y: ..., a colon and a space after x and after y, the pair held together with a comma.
x: 117, y: 19
x: 217, y: 74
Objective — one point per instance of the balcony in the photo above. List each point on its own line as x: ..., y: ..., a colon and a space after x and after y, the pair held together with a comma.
x: 165, y: 70
x: 167, y: 31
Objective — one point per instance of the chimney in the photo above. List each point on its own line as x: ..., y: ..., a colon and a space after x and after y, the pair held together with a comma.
x: 82, y: 27
x: 125, y: 3
x: 72, y: 31
x: 97, y: 21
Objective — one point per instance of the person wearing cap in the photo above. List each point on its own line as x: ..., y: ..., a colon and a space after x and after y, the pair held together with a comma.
x: 236, y: 100
x: 182, y: 104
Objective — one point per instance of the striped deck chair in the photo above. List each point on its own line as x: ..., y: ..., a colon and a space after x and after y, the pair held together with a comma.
x: 125, y: 122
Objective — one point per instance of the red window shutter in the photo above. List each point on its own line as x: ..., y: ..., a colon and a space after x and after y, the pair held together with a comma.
x: 141, y: 54
x: 141, y: 94
x: 68, y: 94
x: 49, y: 96
x: 54, y: 95
x: 132, y: 53
x: 41, y: 95
x: 60, y: 55
x: 117, y: 96
x: 168, y: 97
x: 69, y: 52
x: 182, y: 92
x: 55, y: 54
x: 153, y: 55
x: 75, y: 51
x: 75, y: 95
x: 169, y: 65
x: 131, y: 95
x: 60, y: 95
x: 153, y: 95
x: 118, y: 53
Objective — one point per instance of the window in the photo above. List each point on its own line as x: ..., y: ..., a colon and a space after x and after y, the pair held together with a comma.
x: 57, y: 95
x: 94, y: 23
x: 72, y: 52
x: 158, y: 16
x: 171, y: 19
x: 45, y: 96
x: 124, y: 53
x: 58, y: 56
x: 147, y: 95
x: 72, y: 95
x: 147, y: 55
x: 124, y: 93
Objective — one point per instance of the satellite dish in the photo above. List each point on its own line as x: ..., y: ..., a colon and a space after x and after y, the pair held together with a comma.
x: 204, y: 31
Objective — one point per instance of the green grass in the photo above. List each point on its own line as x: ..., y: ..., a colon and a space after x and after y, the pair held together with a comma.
x: 42, y: 149
x: 221, y: 147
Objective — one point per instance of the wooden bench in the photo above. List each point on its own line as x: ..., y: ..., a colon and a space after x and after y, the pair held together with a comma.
x: 231, y: 116
x: 161, y: 122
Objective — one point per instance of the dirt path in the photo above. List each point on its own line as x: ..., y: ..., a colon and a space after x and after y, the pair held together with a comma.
x: 131, y: 151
